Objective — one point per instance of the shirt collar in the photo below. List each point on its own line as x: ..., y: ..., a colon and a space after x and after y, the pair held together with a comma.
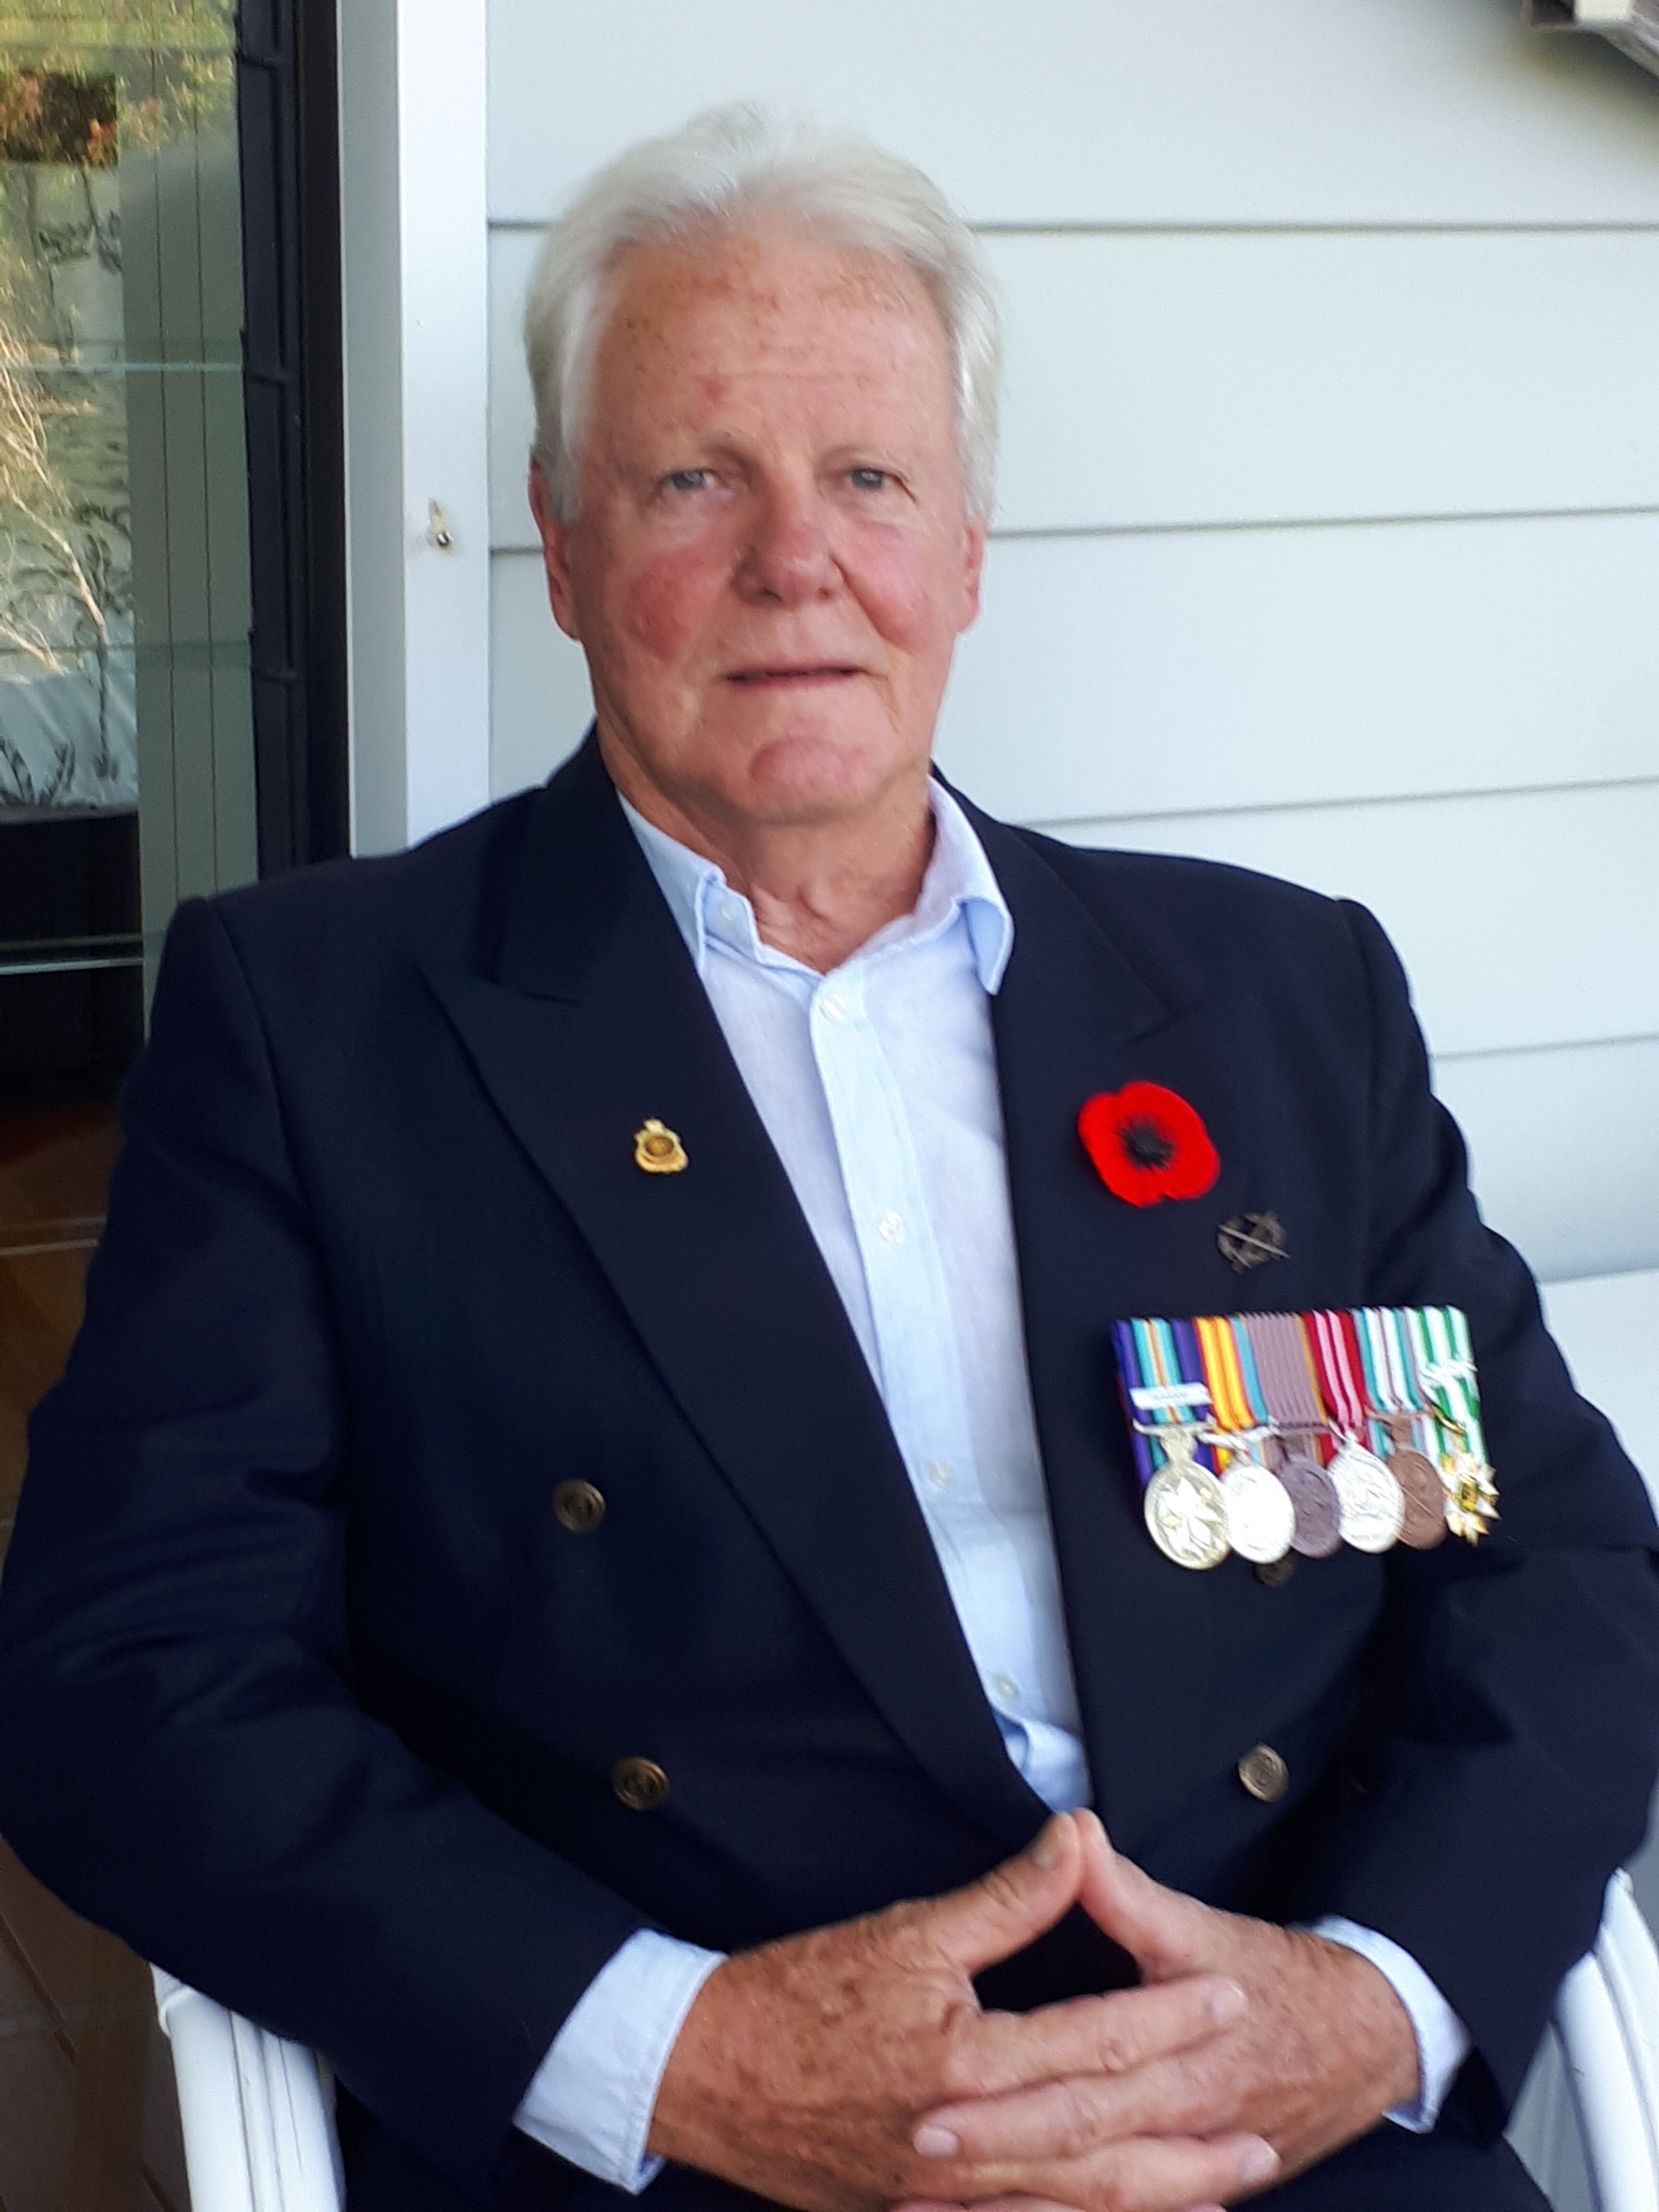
x: 959, y: 878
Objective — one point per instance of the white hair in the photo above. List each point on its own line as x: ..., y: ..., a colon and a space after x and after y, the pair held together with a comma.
x: 729, y: 167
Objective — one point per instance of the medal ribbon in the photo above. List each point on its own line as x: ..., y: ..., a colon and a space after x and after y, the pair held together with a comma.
x: 1433, y: 1385
x: 1354, y: 1349
x: 1338, y: 1384
x: 1379, y: 1384
x: 1453, y: 1369
x: 1133, y: 1378
x: 1402, y: 1369
x: 1187, y: 1366
x: 1279, y: 1350
x: 1171, y: 1388
x: 1221, y: 1371
x: 1249, y: 1375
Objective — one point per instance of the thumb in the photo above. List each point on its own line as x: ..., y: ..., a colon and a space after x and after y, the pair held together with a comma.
x: 1163, y: 1931
x: 1014, y: 1904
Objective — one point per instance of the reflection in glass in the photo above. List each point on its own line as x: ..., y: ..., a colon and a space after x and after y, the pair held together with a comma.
x: 125, y: 766
x: 67, y: 719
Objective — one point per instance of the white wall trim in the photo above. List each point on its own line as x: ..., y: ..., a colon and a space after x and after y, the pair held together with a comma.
x: 416, y: 248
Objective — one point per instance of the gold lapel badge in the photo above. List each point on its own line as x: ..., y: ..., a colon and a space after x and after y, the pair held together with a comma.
x: 657, y: 1150
x: 1249, y: 1240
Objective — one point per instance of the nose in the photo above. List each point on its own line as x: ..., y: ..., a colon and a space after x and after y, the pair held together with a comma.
x: 789, y: 560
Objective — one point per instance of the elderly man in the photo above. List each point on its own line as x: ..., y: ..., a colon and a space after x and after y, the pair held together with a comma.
x: 592, y: 1468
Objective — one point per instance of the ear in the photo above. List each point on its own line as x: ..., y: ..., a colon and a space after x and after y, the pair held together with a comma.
x: 555, y: 551
x: 973, y: 570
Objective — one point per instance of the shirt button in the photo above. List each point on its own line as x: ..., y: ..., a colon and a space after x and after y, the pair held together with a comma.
x: 1006, y: 1688
x: 834, y: 1008
x: 890, y: 1229
x: 732, y: 913
x: 941, y: 1473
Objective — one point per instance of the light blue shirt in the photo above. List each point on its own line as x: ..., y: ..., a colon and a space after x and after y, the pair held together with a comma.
x: 877, y: 1084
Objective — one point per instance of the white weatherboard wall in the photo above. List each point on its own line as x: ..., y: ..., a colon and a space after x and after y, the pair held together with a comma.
x: 1329, y: 533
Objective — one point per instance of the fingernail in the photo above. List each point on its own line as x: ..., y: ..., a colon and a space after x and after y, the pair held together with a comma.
x: 935, y: 2142
x: 1045, y: 1852
x: 1259, y: 2163
x: 1226, y: 2003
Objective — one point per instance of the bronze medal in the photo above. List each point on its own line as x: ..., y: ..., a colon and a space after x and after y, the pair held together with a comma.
x: 1424, y: 1523
x: 1318, y: 1511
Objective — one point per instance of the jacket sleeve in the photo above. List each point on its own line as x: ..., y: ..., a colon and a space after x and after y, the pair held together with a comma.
x: 182, y: 1757
x: 1501, y: 1764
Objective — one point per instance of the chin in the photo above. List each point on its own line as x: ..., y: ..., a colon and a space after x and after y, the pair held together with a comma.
x: 808, y: 777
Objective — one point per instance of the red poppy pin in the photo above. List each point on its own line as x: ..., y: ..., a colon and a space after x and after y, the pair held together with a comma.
x: 1148, y: 1144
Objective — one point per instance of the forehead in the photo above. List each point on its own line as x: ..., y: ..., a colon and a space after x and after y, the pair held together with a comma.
x: 771, y: 319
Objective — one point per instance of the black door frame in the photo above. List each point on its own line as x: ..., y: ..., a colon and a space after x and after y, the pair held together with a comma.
x: 288, y: 108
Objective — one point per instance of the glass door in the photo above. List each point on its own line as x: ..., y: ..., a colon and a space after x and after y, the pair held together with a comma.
x: 126, y: 783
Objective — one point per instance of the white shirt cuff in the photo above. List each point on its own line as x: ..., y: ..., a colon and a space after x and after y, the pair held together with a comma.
x: 593, y: 2094
x: 1442, y: 2041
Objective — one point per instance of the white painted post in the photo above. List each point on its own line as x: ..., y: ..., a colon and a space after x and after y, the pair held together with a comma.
x: 416, y: 280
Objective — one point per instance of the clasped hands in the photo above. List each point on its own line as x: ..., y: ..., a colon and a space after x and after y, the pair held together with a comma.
x: 853, y: 2066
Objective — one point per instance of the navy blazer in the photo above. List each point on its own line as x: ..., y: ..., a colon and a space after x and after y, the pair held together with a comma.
x: 307, y: 1692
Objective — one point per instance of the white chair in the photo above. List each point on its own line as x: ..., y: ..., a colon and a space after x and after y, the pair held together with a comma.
x: 256, y: 2113
x: 259, y: 2124
x: 1606, y: 2019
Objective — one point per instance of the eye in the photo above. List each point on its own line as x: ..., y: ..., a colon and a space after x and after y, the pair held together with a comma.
x: 688, y: 480
x: 868, y: 479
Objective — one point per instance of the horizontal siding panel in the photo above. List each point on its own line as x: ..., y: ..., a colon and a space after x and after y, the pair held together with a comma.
x: 1243, y: 378
x: 1523, y: 920
x: 1246, y: 378
x: 1110, y: 111
x: 1565, y: 1153
x: 540, y: 698
x: 1115, y: 676
x: 1518, y: 914
x: 1608, y: 1326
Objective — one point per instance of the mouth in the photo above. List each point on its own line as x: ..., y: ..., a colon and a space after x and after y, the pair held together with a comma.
x: 795, y: 678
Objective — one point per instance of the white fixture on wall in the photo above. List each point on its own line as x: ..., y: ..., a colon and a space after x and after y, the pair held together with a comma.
x: 1632, y: 25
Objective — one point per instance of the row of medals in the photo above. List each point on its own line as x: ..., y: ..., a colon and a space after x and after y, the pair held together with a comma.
x: 1262, y: 1512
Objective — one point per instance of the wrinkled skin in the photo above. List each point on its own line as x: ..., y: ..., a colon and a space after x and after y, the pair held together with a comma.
x: 804, y: 2068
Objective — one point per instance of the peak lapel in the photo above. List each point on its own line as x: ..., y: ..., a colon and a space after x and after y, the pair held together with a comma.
x: 1074, y: 1018
x: 596, y: 1019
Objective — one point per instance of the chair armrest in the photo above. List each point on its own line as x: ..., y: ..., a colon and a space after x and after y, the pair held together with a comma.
x: 255, y: 2111
x: 1607, y: 2018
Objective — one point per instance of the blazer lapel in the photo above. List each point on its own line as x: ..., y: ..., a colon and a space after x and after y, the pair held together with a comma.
x: 592, y: 1019
x: 1074, y: 1018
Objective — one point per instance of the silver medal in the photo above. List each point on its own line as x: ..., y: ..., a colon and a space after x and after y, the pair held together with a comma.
x: 1373, y: 1505
x: 1260, y: 1517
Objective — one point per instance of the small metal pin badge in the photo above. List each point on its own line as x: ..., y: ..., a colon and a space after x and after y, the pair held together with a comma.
x: 1251, y: 1240
x: 657, y: 1150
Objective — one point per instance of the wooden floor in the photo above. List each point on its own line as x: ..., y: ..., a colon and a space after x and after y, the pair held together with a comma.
x: 88, y: 2120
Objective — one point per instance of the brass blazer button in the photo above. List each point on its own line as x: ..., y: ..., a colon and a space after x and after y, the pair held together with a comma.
x: 640, y: 1783
x: 579, y: 1507
x: 1264, y: 1774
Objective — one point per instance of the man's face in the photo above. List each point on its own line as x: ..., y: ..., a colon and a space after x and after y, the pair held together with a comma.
x: 772, y: 559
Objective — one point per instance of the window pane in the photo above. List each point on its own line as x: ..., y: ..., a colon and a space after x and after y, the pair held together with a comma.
x: 126, y: 782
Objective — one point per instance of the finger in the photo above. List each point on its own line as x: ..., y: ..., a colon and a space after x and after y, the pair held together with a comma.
x: 1148, y: 2173
x: 1195, y: 2091
x: 1164, y: 1931
x: 1065, y: 2120
x: 1107, y: 2035
x: 1011, y: 1906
